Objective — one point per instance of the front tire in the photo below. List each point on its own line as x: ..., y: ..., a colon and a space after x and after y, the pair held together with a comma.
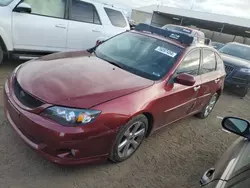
x: 206, y: 111
x: 243, y: 91
x: 129, y: 139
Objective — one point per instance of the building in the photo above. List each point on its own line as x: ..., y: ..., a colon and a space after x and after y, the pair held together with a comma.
x: 217, y: 27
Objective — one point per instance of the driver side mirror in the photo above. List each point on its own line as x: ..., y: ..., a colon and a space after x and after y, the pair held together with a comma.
x: 238, y: 126
x: 185, y: 79
x: 23, y: 7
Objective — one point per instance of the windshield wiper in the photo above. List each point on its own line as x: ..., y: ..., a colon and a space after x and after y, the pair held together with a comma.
x: 113, y: 63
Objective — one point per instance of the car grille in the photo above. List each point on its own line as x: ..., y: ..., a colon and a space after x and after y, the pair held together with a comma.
x: 25, y: 98
x: 228, y: 69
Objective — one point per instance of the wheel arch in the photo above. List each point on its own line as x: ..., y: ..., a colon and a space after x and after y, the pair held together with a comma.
x: 149, y: 117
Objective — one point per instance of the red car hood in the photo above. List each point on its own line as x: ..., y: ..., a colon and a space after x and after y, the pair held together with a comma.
x: 77, y: 79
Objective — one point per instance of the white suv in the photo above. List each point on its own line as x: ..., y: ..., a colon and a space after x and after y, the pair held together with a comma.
x: 30, y: 28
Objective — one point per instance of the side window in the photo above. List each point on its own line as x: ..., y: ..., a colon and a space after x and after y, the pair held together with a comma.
x: 209, y: 62
x: 116, y: 17
x: 190, y: 64
x: 55, y: 8
x: 84, y: 12
x: 220, y: 63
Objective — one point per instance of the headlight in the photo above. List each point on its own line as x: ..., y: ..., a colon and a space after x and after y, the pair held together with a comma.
x: 245, y: 70
x: 70, y: 117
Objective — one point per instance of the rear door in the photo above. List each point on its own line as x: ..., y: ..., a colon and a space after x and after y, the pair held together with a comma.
x: 44, y: 29
x: 85, y: 26
x: 181, y: 99
x: 210, y: 78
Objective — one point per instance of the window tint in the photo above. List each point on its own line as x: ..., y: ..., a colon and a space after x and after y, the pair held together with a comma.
x: 220, y: 63
x: 116, y: 17
x: 209, y: 62
x: 84, y: 12
x: 55, y: 8
x: 190, y: 64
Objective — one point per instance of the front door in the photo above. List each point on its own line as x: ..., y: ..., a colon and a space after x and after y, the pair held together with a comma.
x: 44, y: 29
x: 85, y: 26
x: 179, y: 101
x: 210, y: 78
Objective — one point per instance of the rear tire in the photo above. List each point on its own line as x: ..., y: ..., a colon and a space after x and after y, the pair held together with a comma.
x: 1, y: 55
x: 243, y: 91
x: 129, y: 139
x: 206, y: 111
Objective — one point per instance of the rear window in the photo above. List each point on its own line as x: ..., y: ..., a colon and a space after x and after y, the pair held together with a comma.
x: 116, y: 17
x: 5, y: 2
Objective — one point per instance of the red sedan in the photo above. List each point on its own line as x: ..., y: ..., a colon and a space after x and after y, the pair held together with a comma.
x: 89, y: 106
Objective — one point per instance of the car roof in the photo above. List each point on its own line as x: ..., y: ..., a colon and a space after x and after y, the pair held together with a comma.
x: 174, y: 42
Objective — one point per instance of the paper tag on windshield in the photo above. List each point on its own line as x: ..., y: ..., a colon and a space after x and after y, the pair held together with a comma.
x: 165, y: 51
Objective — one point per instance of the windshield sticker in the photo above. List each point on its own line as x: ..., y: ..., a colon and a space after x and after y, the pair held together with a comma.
x: 165, y: 51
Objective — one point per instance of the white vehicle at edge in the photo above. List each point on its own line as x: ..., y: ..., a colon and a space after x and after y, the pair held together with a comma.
x: 30, y: 28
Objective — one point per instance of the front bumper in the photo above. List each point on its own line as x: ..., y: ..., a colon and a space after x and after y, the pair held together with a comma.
x: 90, y: 143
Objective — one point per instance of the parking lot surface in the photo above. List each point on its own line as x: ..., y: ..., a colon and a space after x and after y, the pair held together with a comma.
x: 174, y: 157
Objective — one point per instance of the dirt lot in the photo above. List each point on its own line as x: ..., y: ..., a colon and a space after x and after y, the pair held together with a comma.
x: 174, y: 157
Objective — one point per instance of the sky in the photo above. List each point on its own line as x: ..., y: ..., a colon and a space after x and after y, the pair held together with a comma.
x: 239, y: 8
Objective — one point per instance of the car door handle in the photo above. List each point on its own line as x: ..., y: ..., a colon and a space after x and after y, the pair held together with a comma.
x: 217, y: 80
x: 60, y: 26
x: 96, y: 31
x: 197, y: 88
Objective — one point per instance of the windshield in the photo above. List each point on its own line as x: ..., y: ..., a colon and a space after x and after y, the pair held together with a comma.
x: 236, y: 50
x: 147, y: 57
x: 5, y: 2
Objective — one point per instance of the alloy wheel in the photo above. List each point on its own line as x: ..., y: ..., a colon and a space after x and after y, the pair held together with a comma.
x: 210, y: 105
x: 131, y: 139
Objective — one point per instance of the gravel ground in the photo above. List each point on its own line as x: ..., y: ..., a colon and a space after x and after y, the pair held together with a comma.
x: 174, y: 157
